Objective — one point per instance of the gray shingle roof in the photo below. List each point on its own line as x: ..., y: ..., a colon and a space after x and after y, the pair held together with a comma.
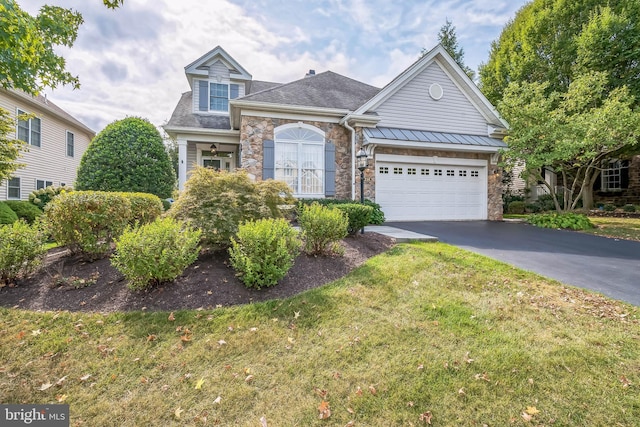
x: 253, y: 86
x: 437, y: 137
x: 183, y: 116
x: 324, y: 90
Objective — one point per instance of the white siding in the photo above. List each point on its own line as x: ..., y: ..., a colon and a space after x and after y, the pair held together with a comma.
x: 218, y: 70
x: 49, y: 161
x: 192, y: 157
x: 411, y: 107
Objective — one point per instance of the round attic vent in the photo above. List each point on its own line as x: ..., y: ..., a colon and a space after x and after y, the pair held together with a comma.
x: 435, y: 91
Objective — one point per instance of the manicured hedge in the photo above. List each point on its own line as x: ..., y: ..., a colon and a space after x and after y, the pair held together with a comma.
x: 25, y: 210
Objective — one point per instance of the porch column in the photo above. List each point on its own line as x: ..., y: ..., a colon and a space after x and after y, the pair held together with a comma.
x: 182, y: 163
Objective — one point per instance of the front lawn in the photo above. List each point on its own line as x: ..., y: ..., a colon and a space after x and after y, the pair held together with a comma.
x: 619, y: 228
x: 424, y: 332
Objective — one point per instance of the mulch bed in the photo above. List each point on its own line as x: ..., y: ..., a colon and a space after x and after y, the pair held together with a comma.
x: 209, y: 283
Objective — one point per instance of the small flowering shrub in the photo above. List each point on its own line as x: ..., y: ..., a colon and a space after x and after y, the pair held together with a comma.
x: 21, y: 250
x: 87, y: 221
x: 43, y: 196
x: 157, y: 252
x: 322, y: 228
x: 264, y: 251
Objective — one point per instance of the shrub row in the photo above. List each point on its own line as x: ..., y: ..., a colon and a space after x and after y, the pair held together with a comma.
x: 376, y: 217
x: 561, y: 220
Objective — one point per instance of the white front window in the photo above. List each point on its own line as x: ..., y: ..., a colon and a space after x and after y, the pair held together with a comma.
x: 13, y: 188
x: 299, y: 159
x: 612, y: 176
x: 29, y: 130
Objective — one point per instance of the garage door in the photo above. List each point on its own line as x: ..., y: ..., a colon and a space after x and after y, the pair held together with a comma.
x: 427, y: 188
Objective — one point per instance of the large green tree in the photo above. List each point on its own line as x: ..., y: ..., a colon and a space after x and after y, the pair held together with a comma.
x: 570, y: 133
x: 10, y: 148
x: 448, y: 38
x: 127, y: 155
x: 554, y: 41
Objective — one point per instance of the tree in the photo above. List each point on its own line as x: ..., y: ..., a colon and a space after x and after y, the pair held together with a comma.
x: 127, y: 155
x: 10, y: 148
x: 570, y: 133
x: 449, y: 40
x: 555, y: 41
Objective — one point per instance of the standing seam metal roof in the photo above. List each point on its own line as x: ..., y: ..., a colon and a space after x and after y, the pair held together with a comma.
x: 433, y: 137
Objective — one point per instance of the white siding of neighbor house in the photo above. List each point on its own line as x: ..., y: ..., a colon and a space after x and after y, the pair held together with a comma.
x: 48, y: 162
x: 192, y: 157
x: 411, y: 107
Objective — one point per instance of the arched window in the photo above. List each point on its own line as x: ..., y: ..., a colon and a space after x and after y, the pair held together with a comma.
x: 299, y: 158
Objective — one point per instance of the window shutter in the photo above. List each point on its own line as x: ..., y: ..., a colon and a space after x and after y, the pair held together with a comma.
x: 624, y: 174
x: 269, y: 159
x: 203, y: 101
x: 235, y: 91
x: 329, y: 169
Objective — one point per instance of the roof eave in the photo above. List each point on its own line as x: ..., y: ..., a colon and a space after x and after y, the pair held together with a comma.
x: 380, y: 142
x: 238, y: 105
x: 173, y: 130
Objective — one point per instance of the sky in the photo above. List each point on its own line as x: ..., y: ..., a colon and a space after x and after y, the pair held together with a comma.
x: 131, y: 60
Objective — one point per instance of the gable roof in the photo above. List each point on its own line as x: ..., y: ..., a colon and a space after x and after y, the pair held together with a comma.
x: 324, y: 90
x: 44, y: 103
x: 464, y: 83
x: 200, y: 65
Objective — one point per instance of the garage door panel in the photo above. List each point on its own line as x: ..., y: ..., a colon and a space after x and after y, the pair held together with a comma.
x: 409, y: 191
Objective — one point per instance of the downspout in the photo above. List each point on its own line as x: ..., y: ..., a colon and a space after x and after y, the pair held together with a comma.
x: 345, y: 122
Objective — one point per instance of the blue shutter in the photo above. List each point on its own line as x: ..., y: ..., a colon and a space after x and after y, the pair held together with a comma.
x: 329, y: 169
x: 203, y: 104
x: 269, y: 159
x: 235, y: 91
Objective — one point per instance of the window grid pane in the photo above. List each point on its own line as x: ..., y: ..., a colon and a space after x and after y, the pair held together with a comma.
x: 70, y: 144
x: 13, y: 187
x: 35, y: 131
x: 299, y: 161
x: 218, y: 97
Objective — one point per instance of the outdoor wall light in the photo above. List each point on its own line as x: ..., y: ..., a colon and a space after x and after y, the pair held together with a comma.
x: 362, y: 162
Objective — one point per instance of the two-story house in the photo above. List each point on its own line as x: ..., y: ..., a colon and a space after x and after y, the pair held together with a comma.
x: 55, y: 140
x: 431, y: 136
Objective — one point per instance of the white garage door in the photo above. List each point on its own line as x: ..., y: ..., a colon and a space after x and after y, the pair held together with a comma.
x: 423, y: 188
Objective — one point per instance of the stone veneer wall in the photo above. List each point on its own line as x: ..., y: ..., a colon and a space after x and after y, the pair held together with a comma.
x: 629, y: 195
x: 254, y: 130
x: 494, y: 180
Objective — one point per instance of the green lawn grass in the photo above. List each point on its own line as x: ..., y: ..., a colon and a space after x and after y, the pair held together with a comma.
x: 421, y: 328
x: 620, y: 228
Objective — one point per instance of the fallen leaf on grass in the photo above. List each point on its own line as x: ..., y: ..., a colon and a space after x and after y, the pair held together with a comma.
x: 359, y: 391
x: 372, y: 389
x: 467, y: 358
x: 61, y: 380
x: 248, y: 379
x: 426, y: 417
x: 185, y: 338
x: 171, y: 318
x: 263, y: 422
x: 526, y: 417
x: 350, y: 424
x: 61, y: 398
x: 151, y: 337
x: 625, y: 382
x: 222, y: 342
x: 36, y: 332
x: 178, y: 412
x: 20, y: 335
x: 85, y: 377
x: 325, y: 411
x: 218, y: 400
x: 199, y: 384
x: 461, y: 392
x: 482, y: 376
x: 296, y: 314
x: 45, y: 386
x: 321, y: 393
x: 532, y: 410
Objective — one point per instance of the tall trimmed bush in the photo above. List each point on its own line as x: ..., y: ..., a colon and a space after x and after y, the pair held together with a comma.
x: 322, y: 228
x: 87, y: 221
x: 264, y: 251
x: 145, y: 207
x: 377, y: 216
x: 21, y: 250
x: 25, y: 210
x: 128, y: 155
x: 7, y: 215
x: 156, y: 252
x: 217, y: 202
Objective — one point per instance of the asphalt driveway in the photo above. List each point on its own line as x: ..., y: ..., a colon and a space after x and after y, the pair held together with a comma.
x: 609, y: 266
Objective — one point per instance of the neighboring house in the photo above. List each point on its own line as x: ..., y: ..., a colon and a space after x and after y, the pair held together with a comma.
x: 56, y: 142
x: 432, y: 138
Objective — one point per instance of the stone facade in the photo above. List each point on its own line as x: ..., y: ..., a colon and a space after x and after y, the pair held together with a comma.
x: 629, y: 195
x: 254, y: 130
x: 494, y: 178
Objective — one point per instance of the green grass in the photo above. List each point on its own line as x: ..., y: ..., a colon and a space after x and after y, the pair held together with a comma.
x: 423, y: 327
x: 619, y: 228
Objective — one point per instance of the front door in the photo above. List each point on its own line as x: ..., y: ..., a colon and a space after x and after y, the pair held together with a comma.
x: 218, y: 162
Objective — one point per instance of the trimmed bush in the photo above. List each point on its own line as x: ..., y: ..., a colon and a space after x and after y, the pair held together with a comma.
x: 322, y: 228
x: 217, y: 202
x: 609, y: 207
x: 145, y: 207
x: 377, y: 217
x: 156, y: 252
x: 127, y: 155
x: 516, y: 207
x: 567, y: 220
x: 166, y: 205
x: 21, y: 250
x: 87, y: 221
x: 25, y: 210
x: 43, y: 196
x: 357, y: 214
x: 264, y: 251
x: 629, y: 208
x: 7, y: 215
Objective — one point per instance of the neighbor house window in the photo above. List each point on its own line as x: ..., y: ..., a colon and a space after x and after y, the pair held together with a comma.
x: 13, y: 187
x: 70, y: 144
x: 611, y: 175
x: 299, y: 159
x: 41, y: 183
x: 29, y: 130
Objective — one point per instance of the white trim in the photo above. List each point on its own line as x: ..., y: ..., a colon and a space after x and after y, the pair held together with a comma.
x: 299, y: 125
x: 240, y: 108
x: 434, y: 160
x: 300, y: 144
x: 19, y: 188
x: 224, y: 57
x: 182, y: 163
x: 66, y: 144
x: 433, y: 146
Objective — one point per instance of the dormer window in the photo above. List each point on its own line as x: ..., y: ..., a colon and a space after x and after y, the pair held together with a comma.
x: 214, y: 97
